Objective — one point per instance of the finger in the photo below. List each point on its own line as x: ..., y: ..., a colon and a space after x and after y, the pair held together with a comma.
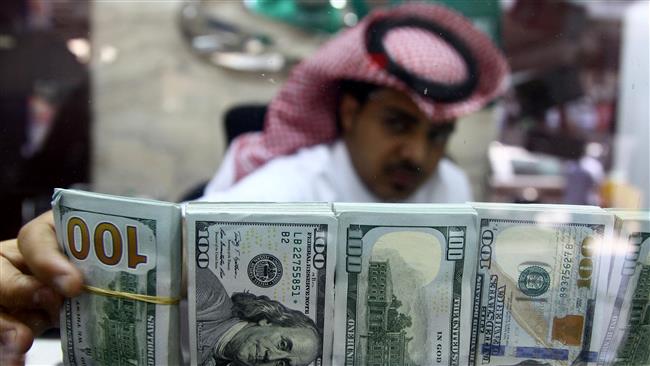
x: 9, y: 250
x: 37, y: 243
x: 37, y: 321
x: 51, y: 307
x: 15, y: 337
x: 11, y: 359
x: 18, y: 290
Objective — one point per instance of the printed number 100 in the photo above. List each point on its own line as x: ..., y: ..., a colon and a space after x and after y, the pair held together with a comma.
x: 81, y: 251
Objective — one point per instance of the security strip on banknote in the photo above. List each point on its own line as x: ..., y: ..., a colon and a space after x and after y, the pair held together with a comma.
x: 128, y: 251
x: 403, y: 286
x: 260, y: 283
x: 540, y: 274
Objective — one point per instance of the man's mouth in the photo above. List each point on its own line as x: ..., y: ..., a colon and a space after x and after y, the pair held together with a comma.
x: 403, y: 179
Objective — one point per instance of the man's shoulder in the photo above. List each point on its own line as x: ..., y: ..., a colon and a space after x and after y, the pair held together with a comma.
x: 449, y: 171
x: 285, y: 178
x: 448, y: 185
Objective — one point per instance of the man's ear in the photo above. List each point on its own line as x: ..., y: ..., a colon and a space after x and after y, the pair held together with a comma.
x: 263, y: 323
x: 348, y: 110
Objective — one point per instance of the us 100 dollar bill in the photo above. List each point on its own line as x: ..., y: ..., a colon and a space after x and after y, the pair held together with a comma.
x: 260, y: 283
x: 538, y: 277
x: 627, y: 338
x: 403, y: 287
x: 128, y: 251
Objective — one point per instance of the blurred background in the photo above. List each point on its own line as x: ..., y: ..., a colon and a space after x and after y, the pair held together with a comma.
x: 135, y: 97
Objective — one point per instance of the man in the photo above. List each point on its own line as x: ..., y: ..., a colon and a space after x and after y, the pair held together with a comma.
x: 367, y: 117
x: 394, y: 83
x: 249, y: 330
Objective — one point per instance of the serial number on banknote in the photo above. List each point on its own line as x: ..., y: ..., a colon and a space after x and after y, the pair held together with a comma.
x: 567, y: 267
x: 296, y: 240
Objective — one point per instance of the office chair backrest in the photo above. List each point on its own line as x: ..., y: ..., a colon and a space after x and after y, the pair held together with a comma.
x: 237, y: 120
x: 244, y: 118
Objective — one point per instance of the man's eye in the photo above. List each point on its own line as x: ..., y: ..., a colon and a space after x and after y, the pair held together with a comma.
x: 282, y: 363
x: 395, y: 125
x: 285, y: 345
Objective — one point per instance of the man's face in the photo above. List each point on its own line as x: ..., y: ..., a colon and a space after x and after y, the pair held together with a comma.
x: 265, y: 344
x: 394, y: 148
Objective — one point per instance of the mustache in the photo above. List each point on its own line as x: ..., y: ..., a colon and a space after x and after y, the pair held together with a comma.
x: 404, y: 166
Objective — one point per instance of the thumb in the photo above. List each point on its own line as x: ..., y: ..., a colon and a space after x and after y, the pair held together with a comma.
x: 38, y: 245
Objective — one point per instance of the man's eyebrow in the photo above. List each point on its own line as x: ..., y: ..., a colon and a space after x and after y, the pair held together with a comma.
x: 401, y: 114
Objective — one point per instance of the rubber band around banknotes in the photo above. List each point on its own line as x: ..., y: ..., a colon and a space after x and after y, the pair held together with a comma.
x: 159, y: 300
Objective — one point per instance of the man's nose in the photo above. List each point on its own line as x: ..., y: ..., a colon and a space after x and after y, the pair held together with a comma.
x: 274, y: 354
x: 415, y: 149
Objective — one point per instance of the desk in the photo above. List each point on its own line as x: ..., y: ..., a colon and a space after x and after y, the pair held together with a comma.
x: 45, y: 352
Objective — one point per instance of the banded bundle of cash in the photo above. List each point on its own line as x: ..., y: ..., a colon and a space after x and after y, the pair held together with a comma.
x: 403, y: 285
x: 627, y: 336
x: 129, y: 252
x: 540, y: 276
x: 261, y: 283
x: 356, y: 284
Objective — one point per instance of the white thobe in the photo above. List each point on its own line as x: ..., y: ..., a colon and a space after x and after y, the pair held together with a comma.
x: 324, y: 173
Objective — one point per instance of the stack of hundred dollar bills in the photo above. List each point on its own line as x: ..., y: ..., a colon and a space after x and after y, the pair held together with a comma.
x: 354, y: 284
x: 261, y: 283
x: 123, y: 247
x: 627, y: 321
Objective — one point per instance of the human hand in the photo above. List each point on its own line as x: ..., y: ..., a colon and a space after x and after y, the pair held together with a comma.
x: 34, y: 278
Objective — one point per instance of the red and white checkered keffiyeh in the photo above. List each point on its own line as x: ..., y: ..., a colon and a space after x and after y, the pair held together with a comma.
x: 304, y: 112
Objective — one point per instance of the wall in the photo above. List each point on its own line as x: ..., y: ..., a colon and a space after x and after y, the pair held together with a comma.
x: 157, y: 107
x: 632, y: 152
